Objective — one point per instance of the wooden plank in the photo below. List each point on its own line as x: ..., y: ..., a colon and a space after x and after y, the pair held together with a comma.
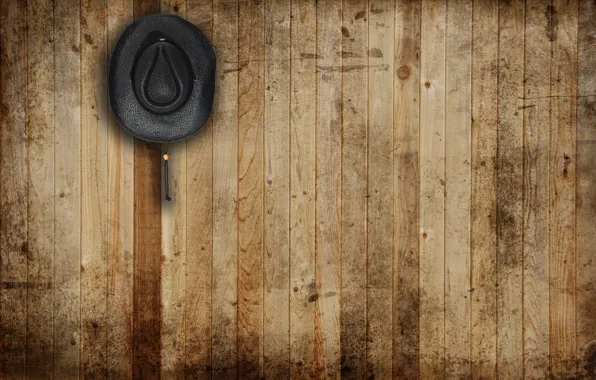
x: 94, y: 190
x: 225, y: 191
x: 432, y: 188
x: 406, y: 127
x: 509, y: 190
x: 276, y: 318
x: 13, y: 186
x: 354, y: 53
x: 536, y: 112
x: 67, y: 177
x: 484, y: 189
x: 173, y: 225
x: 120, y: 223
x: 147, y: 246
x: 250, y: 188
x: 562, y: 30
x: 458, y: 157
x: 328, y: 190
x: 40, y: 206
x: 379, y: 321
x: 199, y: 228
x: 302, y: 187
x: 586, y: 192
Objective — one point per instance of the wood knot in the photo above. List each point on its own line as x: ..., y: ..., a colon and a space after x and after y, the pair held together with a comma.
x: 403, y: 72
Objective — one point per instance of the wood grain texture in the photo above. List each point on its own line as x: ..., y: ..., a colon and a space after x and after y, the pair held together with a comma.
x: 510, y: 190
x: 302, y: 188
x: 484, y: 189
x: 40, y: 200
x: 67, y: 189
x: 380, y: 196
x: 586, y: 192
x: 536, y: 112
x: 251, y: 81
x: 432, y: 191
x: 389, y: 189
x: 94, y: 189
x: 173, y: 241
x: 225, y: 192
x: 354, y: 52
x: 13, y: 187
x: 406, y: 144
x: 562, y: 158
x: 328, y: 191
x: 120, y: 223
x: 458, y: 152
x: 147, y: 324
x: 199, y: 229
x: 276, y: 302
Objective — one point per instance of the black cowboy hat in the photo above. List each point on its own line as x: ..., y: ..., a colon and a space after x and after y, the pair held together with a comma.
x: 162, y: 79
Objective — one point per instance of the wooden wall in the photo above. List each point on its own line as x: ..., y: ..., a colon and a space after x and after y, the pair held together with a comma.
x: 385, y: 189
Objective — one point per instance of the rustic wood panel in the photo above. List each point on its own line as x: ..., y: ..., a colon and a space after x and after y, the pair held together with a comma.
x: 536, y: 110
x: 406, y: 179
x: 224, y: 320
x: 562, y: 183
x: 509, y: 164
x: 147, y: 253
x: 276, y: 265
x: 67, y: 190
x: 388, y: 189
x: 94, y: 188
x: 354, y: 189
x: 328, y: 190
x: 432, y: 191
x: 458, y: 151
x: 40, y: 208
x: 302, y: 188
x: 120, y: 223
x: 586, y: 192
x: 250, y: 188
x: 13, y: 186
x: 199, y: 229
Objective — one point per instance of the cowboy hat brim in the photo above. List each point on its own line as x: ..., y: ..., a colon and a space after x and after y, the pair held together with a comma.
x: 162, y: 79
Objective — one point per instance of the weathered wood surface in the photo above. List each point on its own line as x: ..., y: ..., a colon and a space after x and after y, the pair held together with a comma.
x: 388, y: 189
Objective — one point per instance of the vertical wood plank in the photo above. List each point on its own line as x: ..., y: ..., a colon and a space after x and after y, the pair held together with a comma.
x: 586, y: 192
x: 328, y: 190
x: 510, y: 190
x: 40, y: 207
x: 147, y: 246
x: 379, y: 321
x: 225, y: 191
x: 276, y: 318
x: 173, y: 271
x: 484, y: 189
x: 458, y: 152
x: 13, y: 187
x: 120, y: 223
x: 432, y: 183
x: 406, y: 126
x: 199, y: 228
x: 302, y: 186
x: 563, y: 92
x: 536, y: 111
x: 250, y: 188
x: 67, y: 177
x: 94, y: 181
x: 354, y: 53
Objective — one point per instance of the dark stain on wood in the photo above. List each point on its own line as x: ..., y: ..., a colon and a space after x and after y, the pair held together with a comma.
x: 552, y: 22
x: 375, y: 53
